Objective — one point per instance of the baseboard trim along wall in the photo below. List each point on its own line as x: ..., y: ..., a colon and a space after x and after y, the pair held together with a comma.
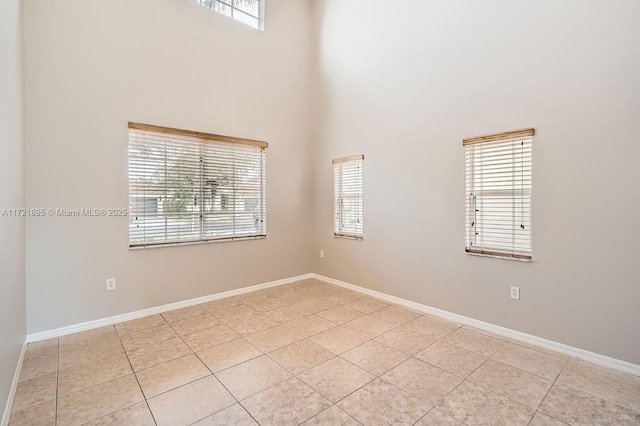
x: 14, y: 386
x: 89, y: 325
x: 502, y: 331
x: 595, y: 358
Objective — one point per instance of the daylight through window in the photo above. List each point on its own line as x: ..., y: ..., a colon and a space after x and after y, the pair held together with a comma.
x: 250, y: 12
x: 498, y: 194
x: 348, y: 197
x: 187, y: 187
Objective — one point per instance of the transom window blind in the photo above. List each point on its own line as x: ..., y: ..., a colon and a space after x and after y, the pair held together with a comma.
x: 498, y: 172
x: 187, y: 187
x: 348, y: 197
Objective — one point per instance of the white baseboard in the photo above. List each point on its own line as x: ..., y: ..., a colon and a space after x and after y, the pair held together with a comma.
x: 595, y: 358
x: 89, y: 325
x: 14, y: 385
x: 502, y: 331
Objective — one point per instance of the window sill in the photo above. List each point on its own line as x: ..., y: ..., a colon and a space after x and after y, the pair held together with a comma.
x: 191, y: 243
x: 349, y: 236
x: 519, y: 258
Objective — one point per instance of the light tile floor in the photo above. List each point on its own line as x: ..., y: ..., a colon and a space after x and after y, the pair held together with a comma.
x: 315, y: 354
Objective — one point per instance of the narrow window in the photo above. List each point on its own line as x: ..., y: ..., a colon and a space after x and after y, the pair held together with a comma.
x: 347, y: 199
x: 250, y: 12
x: 187, y: 187
x: 498, y: 194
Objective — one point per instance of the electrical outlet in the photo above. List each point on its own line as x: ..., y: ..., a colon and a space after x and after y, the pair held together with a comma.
x: 321, y: 254
x: 515, y: 293
x: 111, y: 283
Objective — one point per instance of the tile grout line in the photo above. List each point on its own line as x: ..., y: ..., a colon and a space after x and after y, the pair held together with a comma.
x: 146, y: 401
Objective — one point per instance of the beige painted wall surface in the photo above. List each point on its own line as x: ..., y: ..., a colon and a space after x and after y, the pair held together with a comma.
x: 404, y: 84
x: 93, y: 66
x: 12, y: 281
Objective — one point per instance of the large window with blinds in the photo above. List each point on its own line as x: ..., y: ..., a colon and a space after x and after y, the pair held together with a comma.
x: 250, y: 12
x: 498, y: 170
x: 348, y: 197
x: 192, y: 187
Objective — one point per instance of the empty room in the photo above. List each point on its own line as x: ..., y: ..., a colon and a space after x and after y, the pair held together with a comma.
x: 319, y: 212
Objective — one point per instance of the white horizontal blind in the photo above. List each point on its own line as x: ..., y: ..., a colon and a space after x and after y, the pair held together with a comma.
x: 498, y: 173
x: 185, y: 189
x: 250, y: 12
x: 348, y: 197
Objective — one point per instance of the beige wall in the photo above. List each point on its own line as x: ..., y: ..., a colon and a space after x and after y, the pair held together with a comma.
x: 404, y: 86
x: 93, y: 66
x: 12, y: 281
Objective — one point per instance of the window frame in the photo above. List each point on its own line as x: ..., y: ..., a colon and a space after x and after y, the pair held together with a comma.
x: 521, y: 189
x: 339, y: 197
x: 199, y: 146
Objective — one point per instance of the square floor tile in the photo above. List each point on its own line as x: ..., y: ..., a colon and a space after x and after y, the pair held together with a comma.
x: 474, y: 342
x: 86, y: 375
x: 288, y: 403
x: 395, y: 315
x: 380, y: 403
x: 336, y: 378
x: 265, y: 304
x: 453, y: 359
x: 301, y: 356
x: 432, y: 326
x: 210, y: 337
x: 157, y: 353
x: 220, y: 304
x: 575, y: 407
x: 37, y: 366
x: 102, y: 338
x: 183, y: 313
x: 273, y: 338
x: 35, y: 391
x: 309, y: 325
x: 599, y: 383
x: 252, y: 324
x: 288, y: 313
x: 139, y: 324
x: 43, y: 414
x: 190, y: 403
x: 424, y: 381
x: 252, y: 376
x: 228, y: 354
x: 147, y: 337
x: 43, y: 347
x: 405, y: 340
x: 196, y: 323
x: 340, y: 314
x: 366, y: 305
x: 475, y: 405
x: 170, y: 375
x: 338, y: 339
x: 535, y: 362
x: 375, y: 357
x: 87, y: 355
x: 369, y: 326
x: 235, y: 313
x: 98, y: 401
x: 525, y: 388
x: 315, y: 304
